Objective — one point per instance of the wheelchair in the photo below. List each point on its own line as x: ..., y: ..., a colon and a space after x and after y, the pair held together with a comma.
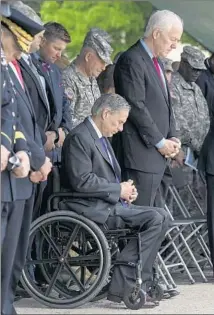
x: 75, y: 258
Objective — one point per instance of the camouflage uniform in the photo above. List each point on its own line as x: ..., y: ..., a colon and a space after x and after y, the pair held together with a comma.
x: 82, y: 91
x: 167, y: 64
x: 192, y: 122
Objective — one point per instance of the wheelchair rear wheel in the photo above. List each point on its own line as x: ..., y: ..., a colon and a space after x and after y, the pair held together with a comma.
x: 73, y: 256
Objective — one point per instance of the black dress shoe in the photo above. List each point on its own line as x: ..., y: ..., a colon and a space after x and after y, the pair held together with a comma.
x: 151, y: 300
x: 114, y: 298
x: 17, y: 298
x: 172, y: 292
x: 22, y: 294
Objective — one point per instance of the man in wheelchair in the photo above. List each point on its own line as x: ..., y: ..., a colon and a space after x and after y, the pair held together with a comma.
x: 89, y: 166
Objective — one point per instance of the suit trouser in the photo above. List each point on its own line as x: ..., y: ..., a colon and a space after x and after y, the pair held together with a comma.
x: 152, y: 224
x: 163, y: 190
x: 147, y: 185
x: 14, y: 251
x: 210, y: 214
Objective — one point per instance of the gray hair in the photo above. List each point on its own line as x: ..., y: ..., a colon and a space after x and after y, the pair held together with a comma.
x: 162, y: 19
x: 114, y: 102
x: 28, y: 11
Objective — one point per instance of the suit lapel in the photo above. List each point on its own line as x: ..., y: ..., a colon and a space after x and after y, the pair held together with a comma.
x: 167, y: 86
x: 22, y: 92
x: 43, y: 72
x: 48, y: 81
x: 151, y: 68
x: 35, y: 80
x: 116, y: 164
x: 51, y: 79
x: 97, y: 142
x: 102, y: 150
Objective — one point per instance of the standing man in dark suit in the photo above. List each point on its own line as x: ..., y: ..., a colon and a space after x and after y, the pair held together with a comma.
x: 89, y: 165
x: 54, y: 42
x: 206, y: 82
x: 149, y: 133
x: 206, y: 159
x: 18, y: 216
x: 50, y: 102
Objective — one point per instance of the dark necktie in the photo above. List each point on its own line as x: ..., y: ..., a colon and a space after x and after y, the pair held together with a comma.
x: 112, y: 160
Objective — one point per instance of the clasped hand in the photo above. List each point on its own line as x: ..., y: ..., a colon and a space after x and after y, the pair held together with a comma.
x: 128, y: 191
x: 171, y: 147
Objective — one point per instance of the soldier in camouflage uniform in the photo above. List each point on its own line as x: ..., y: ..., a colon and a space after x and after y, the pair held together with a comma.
x: 167, y: 65
x: 192, y: 118
x: 79, y: 78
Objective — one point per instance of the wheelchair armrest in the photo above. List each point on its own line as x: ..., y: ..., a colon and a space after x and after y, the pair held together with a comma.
x: 61, y: 195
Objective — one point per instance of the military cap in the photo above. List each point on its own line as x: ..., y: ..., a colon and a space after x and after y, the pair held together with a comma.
x: 22, y: 27
x: 28, y: 11
x: 167, y: 64
x: 99, y: 41
x: 194, y: 57
x: 28, y: 25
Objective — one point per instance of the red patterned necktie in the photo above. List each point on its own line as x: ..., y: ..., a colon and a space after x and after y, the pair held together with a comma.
x: 18, y: 70
x: 157, y: 67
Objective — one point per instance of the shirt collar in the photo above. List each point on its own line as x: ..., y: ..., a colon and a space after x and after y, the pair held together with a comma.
x: 99, y: 134
x: 26, y: 57
x: 147, y: 49
x: 36, y: 55
x: 178, y: 79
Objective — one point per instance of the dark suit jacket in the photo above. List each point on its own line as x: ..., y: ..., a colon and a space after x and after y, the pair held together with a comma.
x: 206, y: 159
x: 58, y: 102
x: 206, y: 83
x: 86, y: 168
x: 32, y: 133
x: 151, y: 116
x: 59, y: 106
x: 39, y: 101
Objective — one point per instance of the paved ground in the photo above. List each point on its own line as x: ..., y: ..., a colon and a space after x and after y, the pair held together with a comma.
x: 193, y: 299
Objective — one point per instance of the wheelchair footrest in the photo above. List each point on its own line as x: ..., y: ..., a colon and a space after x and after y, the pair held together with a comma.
x: 117, y: 232
x: 126, y: 263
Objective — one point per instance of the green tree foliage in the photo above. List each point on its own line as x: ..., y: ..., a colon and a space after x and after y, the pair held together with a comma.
x: 35, y: 4
x: 124, y: 20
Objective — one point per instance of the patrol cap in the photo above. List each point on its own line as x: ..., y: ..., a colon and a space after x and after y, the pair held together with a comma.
x: 99, y: 41
x: 23, y: 28
x: 167, y: 64
x: 194, y: 57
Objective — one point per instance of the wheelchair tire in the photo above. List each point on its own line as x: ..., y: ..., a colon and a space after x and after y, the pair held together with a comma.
x: 136, y: 303
x: 58, y: 292
x: 104, y: 292
x: 157, y: 292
